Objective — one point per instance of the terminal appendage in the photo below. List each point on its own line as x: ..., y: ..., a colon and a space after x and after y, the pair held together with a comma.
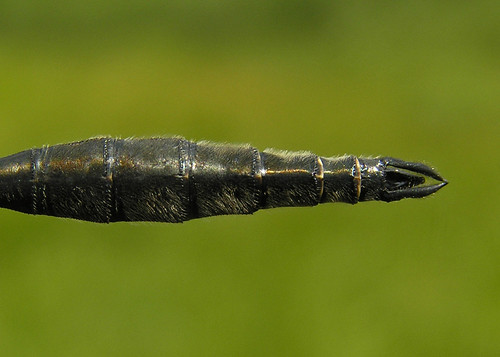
x: 389, y: 179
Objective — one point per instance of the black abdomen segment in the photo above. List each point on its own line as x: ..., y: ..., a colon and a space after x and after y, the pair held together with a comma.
x: 166, y: 179
x: 174, y: 180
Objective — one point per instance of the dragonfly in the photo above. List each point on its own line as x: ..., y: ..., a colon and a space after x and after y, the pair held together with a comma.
x: 171, y: 179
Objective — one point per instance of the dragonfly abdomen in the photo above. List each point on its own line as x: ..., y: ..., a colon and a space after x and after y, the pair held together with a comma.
x: 174, y: 180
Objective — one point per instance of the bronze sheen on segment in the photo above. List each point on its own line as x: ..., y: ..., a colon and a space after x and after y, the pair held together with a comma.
x: 171, y: 179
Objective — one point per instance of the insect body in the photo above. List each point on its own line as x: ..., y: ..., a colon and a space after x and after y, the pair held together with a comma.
x: 174, y: 180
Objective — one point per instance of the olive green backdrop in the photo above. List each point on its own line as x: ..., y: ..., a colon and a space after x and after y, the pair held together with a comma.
x: 415, y: 80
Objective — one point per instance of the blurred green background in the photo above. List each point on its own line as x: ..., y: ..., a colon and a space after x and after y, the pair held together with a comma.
x: 416, y: 80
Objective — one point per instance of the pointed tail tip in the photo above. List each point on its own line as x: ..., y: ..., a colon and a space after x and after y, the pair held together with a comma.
x: 415, y: 167
x: 441, y: 184
x: 411, y: 182
x: 437, y: 176
x: 413, y: 192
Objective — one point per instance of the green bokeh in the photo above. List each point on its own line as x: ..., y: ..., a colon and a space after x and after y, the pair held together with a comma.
x: 416, y: 80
